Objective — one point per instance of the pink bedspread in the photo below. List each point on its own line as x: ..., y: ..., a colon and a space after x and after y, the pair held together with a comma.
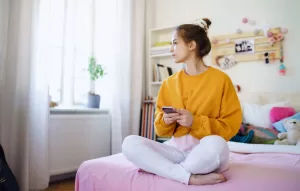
x: 247, y: 172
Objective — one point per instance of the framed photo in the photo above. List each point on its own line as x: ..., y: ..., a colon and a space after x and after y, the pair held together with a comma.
x: 227, y: 62
x: 244, y: 46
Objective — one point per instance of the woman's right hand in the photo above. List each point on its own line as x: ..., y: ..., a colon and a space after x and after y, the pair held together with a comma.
x: 170, y: 118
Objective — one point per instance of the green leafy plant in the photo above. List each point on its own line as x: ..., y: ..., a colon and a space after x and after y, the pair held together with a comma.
x: 96, y: 71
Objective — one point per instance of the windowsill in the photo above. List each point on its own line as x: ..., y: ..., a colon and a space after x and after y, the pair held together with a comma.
x: 76, y: 110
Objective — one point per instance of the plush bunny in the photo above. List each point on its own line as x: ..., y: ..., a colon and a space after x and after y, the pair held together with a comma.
x: 292, y: 136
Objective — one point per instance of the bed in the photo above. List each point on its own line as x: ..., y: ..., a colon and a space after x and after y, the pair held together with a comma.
x: 247, y: 172
x: 253, y: 167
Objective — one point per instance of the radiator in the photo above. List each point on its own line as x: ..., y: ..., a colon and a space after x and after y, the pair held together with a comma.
x: 75, y: 137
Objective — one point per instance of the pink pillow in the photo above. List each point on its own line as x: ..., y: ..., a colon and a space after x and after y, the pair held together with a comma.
x: 279, y: 113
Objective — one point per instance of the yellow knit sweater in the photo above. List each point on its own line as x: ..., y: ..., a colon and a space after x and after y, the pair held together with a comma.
x: 209, y: 96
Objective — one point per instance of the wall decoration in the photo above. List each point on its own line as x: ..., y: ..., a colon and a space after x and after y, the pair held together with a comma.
x: 245, y: 20
x: 275, y: 38
x: 248, y: 46
x: 226, y: 62
x: 269, y: 57
x: 237, y: 88
x: 256, y: 32
x: 214, y: 41
x: 244, y: 46
x: 239, y: 31
x: 266, y: 57
x: 261, y: 44
x: 269, y: 34
x: 272, y: 56
x: 284, y: 30
x: 266, y: 29
x: 282, y: 68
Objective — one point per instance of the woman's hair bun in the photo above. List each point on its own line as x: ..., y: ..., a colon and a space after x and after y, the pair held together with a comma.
x: 208, y: 22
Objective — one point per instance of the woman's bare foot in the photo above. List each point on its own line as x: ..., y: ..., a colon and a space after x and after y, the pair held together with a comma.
x: 212, y: 178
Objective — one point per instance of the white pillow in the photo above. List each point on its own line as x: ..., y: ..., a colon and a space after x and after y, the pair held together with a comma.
x: 259, y: 115
x: 250, y: 98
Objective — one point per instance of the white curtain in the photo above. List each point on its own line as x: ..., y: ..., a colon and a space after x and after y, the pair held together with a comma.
x: 24, y: 94
x: 24, y: 63
x: 127, y: 71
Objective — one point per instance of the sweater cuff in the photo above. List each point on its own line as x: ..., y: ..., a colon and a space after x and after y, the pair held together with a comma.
x: 197, y: 122
x: 201, y: 126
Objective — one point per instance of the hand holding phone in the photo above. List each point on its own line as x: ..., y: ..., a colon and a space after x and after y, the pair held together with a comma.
x: 168, y: 110
x: 169, y: 115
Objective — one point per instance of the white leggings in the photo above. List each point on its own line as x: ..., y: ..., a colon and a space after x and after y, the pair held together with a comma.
x: 210, y: 155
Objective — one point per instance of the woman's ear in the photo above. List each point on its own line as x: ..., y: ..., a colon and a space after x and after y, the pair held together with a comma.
x: 192, y: 45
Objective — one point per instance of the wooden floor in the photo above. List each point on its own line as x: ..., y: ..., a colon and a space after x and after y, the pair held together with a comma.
x: 66, y: 185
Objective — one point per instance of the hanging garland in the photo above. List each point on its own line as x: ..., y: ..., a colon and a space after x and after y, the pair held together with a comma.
x: 282, y: 68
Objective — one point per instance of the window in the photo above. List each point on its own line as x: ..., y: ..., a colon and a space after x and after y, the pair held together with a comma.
x: 71, y: 41
x: 55, y: 47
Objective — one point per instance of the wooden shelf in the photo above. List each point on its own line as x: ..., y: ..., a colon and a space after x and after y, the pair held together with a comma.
x: 244, y: 35
x: 161, y: 55
x: 169, y: 28
x: 156, y: 83
x: 261, y: 46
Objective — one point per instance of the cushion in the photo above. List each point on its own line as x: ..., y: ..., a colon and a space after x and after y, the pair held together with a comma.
x: 279, y: 125
x: 260, y: 135
x: 279, y: 113
x: 259, y: 115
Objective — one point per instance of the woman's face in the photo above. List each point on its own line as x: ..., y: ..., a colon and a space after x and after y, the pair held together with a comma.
x: 180, y: 50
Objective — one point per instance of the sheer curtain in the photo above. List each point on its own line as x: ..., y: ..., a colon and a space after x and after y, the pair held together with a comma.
x: 119, y: 44
x: 127, y: 71
x: 24, y: 93
x: 24, y: 65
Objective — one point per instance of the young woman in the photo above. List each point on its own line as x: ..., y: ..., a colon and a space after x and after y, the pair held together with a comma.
x: 208, y: 114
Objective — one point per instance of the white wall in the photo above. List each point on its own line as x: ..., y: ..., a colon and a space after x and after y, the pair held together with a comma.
x: 226, y: 17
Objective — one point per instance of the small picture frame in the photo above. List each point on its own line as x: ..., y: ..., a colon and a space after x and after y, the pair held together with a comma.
x: 244, y: 46
x: 226, y: 61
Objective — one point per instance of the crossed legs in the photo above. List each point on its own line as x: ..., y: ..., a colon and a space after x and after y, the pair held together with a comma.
x: 201, y: 166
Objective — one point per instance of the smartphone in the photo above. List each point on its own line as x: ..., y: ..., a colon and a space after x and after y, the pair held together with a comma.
x: 167, y: 109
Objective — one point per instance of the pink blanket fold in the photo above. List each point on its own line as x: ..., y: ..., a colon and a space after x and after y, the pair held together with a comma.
x: 247, y: 172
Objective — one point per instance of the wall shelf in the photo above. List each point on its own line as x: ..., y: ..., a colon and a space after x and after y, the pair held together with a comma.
x: 156, y: 83
x: 160, y: 65
x: 161, y: 55
x: 159, y: 46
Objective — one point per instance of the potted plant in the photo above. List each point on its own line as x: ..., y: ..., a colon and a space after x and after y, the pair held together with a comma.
x: 95, y: 71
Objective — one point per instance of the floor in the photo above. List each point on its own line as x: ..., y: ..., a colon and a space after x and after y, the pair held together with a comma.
x: 66, y: 185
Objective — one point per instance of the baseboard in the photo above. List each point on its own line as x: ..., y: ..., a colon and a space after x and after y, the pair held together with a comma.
x: 62, y: 177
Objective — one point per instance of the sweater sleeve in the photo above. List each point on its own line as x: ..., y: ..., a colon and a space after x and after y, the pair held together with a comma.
x: 229, y: 120
x: 161, y: 128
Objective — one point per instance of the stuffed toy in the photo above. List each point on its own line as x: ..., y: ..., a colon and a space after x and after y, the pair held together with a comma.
x: 292, y: 134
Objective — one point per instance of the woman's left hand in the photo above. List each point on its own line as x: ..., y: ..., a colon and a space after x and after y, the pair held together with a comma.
x: 185, y: 118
